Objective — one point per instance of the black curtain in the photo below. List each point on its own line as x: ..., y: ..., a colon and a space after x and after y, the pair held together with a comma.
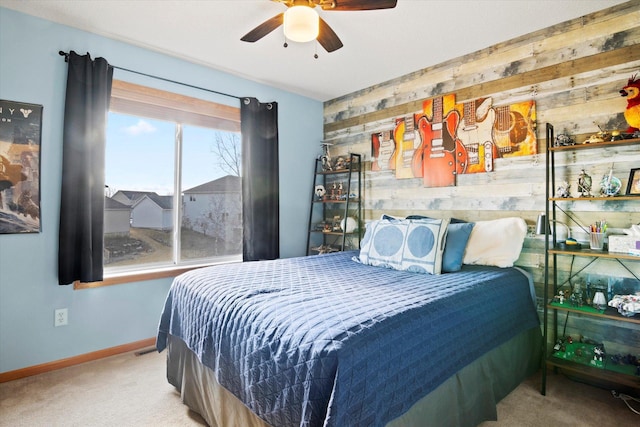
x: 83, y: 161
x: 260, y: 180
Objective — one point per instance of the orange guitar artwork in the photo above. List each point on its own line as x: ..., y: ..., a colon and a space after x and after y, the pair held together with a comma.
x: 408, y: 148
x: 443, y: 155
x: 512, y: 130
x: 475, y: 133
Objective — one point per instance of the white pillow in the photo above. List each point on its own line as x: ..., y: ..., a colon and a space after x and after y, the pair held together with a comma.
x: 497, y: 242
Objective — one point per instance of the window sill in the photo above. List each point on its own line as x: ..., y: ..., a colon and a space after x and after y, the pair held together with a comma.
x: 140, y: 276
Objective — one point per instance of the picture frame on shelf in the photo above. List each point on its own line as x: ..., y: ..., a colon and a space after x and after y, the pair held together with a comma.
x: 633, y: 186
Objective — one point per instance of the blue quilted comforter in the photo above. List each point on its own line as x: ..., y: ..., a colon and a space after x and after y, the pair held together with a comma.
x: 324, y: 340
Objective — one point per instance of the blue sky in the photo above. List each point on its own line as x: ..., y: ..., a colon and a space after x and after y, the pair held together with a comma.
x: 140, y: 155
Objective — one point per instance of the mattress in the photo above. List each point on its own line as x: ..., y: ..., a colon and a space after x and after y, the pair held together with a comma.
x: 324, y: 340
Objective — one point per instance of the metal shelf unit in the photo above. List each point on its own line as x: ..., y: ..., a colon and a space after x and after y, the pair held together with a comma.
x: 551, y: 274
x: 347, y: 203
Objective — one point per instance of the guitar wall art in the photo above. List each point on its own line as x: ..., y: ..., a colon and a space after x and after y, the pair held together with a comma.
x: 446, y: 139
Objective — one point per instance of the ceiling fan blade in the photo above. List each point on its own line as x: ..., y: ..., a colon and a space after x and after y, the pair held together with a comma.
x: 327, y: 38
x: 362, y: 5
x: 263, y: 29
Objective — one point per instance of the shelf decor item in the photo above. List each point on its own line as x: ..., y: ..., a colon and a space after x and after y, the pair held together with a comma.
x: 599, y: 301
x: 633, y: 186
x: 542, y: 225
x: 632, y: 113
x: 596, y: 241
x: 349, y: 225
x: 561, y: 235
x: 325, y: 158
x: 610, y: 185
x: 320, y: 191
x: 564, y: 190
x: 624, y: 243
x: 584, y: 184
x: 627, y: 305
x: 564, y: 139
x: 582, y: 353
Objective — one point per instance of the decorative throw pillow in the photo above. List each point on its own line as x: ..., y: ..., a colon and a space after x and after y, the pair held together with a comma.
x: 457, y: 237
x: 497, y: 242
x: 458, y: 232
x: 411, y: 245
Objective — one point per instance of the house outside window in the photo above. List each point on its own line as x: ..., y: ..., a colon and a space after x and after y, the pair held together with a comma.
x: 170, y: 159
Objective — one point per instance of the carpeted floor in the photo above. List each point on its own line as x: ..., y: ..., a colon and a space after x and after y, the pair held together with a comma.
x: 130, y: 390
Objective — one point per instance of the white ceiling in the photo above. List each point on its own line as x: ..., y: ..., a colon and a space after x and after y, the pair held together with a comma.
x: 378, y: 45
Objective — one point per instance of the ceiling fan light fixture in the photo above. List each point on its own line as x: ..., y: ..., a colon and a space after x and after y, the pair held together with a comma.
x: 301, y: 24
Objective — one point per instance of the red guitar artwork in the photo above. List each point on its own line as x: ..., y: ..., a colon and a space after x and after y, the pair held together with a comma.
x: 443, y: 155
x: 474, y: 131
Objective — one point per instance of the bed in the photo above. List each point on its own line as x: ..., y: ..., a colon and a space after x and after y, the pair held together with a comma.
x: 329, y: 340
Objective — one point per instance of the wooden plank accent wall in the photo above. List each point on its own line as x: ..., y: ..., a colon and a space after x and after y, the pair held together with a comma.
x: 573, y: 71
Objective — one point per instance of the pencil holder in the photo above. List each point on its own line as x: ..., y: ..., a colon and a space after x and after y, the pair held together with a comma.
x: 596, y: 241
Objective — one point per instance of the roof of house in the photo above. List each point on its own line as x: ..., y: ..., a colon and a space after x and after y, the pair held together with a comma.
x: 164, y: 202
x: 109, y: 203
x: 135, y: 195
x: 226, y: 184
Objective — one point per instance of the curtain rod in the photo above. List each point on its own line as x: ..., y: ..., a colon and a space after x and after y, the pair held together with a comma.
x: 66, y: 59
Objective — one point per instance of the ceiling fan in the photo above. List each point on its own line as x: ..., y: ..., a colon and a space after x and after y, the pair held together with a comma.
x: 302, y: 23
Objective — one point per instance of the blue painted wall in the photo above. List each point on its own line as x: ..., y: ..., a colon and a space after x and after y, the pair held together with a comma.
x: 32, y: 71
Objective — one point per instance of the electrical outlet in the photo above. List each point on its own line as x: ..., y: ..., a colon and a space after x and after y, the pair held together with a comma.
x: 61, y: 317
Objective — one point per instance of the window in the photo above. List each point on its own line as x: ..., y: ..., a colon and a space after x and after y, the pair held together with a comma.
x: 170, y: 159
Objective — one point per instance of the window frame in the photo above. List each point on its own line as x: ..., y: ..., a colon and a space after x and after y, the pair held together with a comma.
x: 143, y: 101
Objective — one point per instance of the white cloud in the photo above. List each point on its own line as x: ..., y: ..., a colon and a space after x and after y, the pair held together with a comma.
x: 140, y: 128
